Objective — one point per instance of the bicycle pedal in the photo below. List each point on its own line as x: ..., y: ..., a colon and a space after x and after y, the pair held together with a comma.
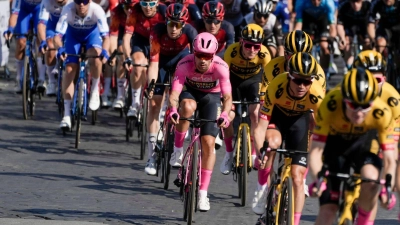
x: 178, y: 182
x: 84, y: 118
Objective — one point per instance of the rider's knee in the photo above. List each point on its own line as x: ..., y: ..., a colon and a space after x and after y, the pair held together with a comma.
x: 187, y: 106
x: 273, y: 138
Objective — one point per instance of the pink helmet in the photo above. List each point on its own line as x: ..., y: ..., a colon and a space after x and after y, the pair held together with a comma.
x: 205, y: 43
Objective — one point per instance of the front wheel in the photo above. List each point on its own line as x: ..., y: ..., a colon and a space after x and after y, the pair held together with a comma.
x: 25, y: 88
x: 143, y: 129
x: 244, y: 166
x: 168, y: 149
x: 271, y: 202
x: 286, y: 204
x: 192, y: 184
x: 78, y: 114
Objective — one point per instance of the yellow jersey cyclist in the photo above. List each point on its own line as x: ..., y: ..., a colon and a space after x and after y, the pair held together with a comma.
x: 341, y: 138
x: 374, y: 62
x: 285, y: 116
x: 246, y: 60
x: 296, y: 41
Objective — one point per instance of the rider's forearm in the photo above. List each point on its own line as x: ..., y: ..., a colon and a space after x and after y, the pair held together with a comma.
x: 174, y: 99
x: 106, y: 42
x: 389, y: 162
x: 298, y: 26
x: 259, y: 134
x: 12, y: 22
x: 153, y: 71
x: 332, y: 30
x: 281, y: 51
x: 341, y: 32
x: 371, y: 31
x: 113, y: 42
x: 57, y: 42
x: 126, y: 45
x: 227, y: 103
x: 41, y: 32
x: 315, y: 158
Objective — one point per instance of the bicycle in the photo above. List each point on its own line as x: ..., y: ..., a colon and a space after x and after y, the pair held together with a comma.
x: 80, y: 99
x: 280, y: 196
x: 392, y: 59
x: 59, y: 97
x: 29, y: 79
x: 189, y: 176
x: 242, y: 162
x: 350, y: 192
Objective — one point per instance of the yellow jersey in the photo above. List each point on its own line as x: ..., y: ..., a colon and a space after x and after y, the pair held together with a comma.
x: 277, y: 66
x: 331, y: 120
x: 245, y: 68
x: 277, y: 95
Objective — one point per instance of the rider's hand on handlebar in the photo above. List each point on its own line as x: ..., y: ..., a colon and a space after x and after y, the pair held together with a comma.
x: 43, y: 47
x: 61, y: 53
x: 128, y: 63
x: 313, y: 189
x: 104, y: 55
x: 224, y: 117
x: 384, y: 199
x: 8, y: 33
x: 173, y: 115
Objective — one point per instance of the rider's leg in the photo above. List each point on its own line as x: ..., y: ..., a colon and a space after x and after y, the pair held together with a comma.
x: 19, y: 56
x: 68, y: 91
x: 326, y: 214
x: 226, y: 164
x: 152, y: 129
x: 95, y: 66
x: 348, y: 53
x: 381, y: 44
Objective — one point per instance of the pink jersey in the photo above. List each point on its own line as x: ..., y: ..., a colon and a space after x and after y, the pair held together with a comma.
x: 215, y: 79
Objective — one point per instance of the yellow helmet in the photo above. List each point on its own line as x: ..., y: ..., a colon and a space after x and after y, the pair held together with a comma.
x: 360, y: 86
x: 298, y: 41
x: 371, y: 60
x: 303, y: 64
x: 253, y: 32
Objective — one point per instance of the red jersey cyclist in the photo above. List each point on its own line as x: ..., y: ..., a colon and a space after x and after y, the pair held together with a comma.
x: 206, y: 77
x: 169, y: 43
x: 141, y: 18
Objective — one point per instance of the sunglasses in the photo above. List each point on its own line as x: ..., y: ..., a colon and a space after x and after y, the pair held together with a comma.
x: 203, y: 56
x: 171, y: 24
x: 84, y: 2
x: 212, y: 20
x: 300, y: 81
x: 148, y: 4
x: 250, y: 45
x: 355, y: 107
x: 260, y: 15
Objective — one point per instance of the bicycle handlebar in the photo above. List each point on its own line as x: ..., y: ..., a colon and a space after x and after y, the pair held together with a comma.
x: 113, y: 55
x: 287, y: 152
x: 245, y: 102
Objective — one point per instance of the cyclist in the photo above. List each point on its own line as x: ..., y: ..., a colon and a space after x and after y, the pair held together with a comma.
x: 246, y: 60
x: 353, y: 19
x: 295, y: 41
x: 374, y: 62
x: 285, y: 117
x: 141, y: 18
x: 49, y: 9
x: 235, y: 10
x: 194, y: 11
x: 213, y: 22
x: 21, y: 13
x: 341, y: 139
x: 264, y: 17
x: 82, y: 22
x: 169, y: 43
x: 384, y: 15
x: 206, y: 77
x: 117, y: 29
x: 314, y: 16
x: 282, y: 13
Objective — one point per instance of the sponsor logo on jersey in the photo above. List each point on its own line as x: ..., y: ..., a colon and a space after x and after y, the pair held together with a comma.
x: 201, y: 85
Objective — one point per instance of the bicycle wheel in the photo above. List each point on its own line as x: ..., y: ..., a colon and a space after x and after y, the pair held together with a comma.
x: 25, y: 88
x: 94, y: 117
x: 286, y: 208
x: 244, y: 166
x: 192, y: 184
x: 169, y: 147
x: 143, y: 129
x: 269, y: 212
x: 33, y: 90
x: 127, y: 128
x: 79, y: 114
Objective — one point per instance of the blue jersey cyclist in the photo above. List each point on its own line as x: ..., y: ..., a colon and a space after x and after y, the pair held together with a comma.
x: 82, y: 22
x: 22, y: 12
x: 50, y: 11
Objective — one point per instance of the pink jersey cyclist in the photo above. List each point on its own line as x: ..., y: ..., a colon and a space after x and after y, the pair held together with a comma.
x: 206, y: 77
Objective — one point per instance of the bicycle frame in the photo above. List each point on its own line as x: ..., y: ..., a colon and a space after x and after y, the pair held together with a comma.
x: 284, y: 169
x: 238, y: 145
x: 195, y: 137
x: 82, y: 76
x: 32, y: 61
x: 348, y: 199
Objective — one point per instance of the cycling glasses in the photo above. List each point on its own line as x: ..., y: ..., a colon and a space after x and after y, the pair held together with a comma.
x: 212, y: 21
x: 299, y: 81
x: 249, y: 45
x: 260, y: 15
x: 84, y: 2
x: 355, y: 107
x: 171, y: 24
x: 203, y: 56
x: 148, y: 4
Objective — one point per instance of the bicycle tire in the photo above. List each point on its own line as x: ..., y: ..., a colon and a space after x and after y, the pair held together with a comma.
x: 244, y: 162
x: 79, y: 114
x: 286, y: 208
x: 193, y: 184
x: 25, y: 87
x: 167, y: 155
x: 127, y: 129
x: 270, y: 204
x: 143, y: 129
x: 94, y: 117
x: 35, y: 74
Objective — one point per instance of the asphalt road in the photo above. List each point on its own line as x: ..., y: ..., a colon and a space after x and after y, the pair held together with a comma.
x: 45, y: 179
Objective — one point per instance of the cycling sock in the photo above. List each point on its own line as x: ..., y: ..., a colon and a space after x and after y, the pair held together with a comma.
x: 151, y: 144
x: 67, y: 107
x: 20, y: 68
x: 95, y: 84
x: 136, y: 96
x: 228, y: 144
x: 50, y: 74
x: 121, y: 88
x: 305, y: 173
x: 179, y: 138
x: 107, y: 85
x: 41, y: 69
x: 363, y: 217
x: 205, y: 179
x: 297, y: 216
x: 263, y: 175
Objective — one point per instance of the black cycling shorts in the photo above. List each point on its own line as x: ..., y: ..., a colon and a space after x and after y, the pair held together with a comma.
x: 209, y: 106
x: 340, y: 155
x: 317, y: 26
x: 248, y: 89
x: 270, y: 39
x: 294, y: 131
